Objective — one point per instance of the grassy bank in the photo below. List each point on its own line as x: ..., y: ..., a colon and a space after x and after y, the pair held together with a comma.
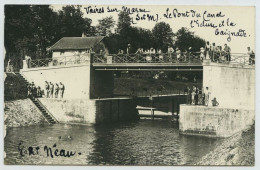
x: 236, y: 150
x: 123, y: 86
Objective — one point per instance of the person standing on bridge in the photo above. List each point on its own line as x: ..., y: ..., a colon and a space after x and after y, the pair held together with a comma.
x: 129, y: 49
x: 251, y: 56
x: 170, y: 53
x: 178, y: 54
x: 213, y: 51
x: 207, y: 48
x: 202, y: 53
x: 227, y: 51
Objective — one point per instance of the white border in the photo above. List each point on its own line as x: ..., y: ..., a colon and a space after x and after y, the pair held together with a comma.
x: 134, y: 2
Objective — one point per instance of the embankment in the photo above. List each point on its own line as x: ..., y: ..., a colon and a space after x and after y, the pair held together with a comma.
x: 238, y: 149
x: 22, y: 113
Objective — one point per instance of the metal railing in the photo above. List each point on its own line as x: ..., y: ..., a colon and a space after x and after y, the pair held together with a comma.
x: 233, y: 58
x: 58, y: 61
x: 188, y: 58
x: 149, y: 58
x: 175, y: 58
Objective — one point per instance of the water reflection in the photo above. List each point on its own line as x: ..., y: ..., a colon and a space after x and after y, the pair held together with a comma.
x: 145, y: 142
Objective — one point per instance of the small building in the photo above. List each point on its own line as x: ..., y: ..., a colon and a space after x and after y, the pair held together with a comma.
x: 77, y: 46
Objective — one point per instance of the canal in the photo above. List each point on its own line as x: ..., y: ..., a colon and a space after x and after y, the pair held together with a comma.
x: 144, y: 142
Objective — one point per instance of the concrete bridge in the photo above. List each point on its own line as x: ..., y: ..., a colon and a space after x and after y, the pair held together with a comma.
x: 89, y: 83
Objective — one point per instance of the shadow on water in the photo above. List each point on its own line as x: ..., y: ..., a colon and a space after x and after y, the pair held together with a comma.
x: 144, y: 142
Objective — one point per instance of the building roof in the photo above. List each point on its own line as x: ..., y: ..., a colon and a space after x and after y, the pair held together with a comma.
x: 76, y: 43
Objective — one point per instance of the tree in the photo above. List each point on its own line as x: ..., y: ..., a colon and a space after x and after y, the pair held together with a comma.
x: 31, y: 29
x: 28, y: 30
x: 105, y: 26
x: 124, y: 21
x: 71, y: 21
x: 163, y: 35
x: 186, y: 39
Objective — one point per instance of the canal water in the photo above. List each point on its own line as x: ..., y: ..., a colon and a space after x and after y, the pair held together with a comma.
x: 144, y: 142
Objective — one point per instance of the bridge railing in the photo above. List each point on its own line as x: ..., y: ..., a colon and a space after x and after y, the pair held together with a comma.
x: 233, y: 58
x: 175, y: 58
x: 148, y: 58
x: 58, y: 61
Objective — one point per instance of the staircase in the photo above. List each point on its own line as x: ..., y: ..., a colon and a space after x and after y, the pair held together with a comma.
x: 43, y: 110
x: 47, y: 115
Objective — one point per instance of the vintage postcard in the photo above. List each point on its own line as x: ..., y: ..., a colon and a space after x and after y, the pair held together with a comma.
x: 129, y: 85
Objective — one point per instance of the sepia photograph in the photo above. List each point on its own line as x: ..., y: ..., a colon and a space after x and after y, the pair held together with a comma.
x: 129, y: 85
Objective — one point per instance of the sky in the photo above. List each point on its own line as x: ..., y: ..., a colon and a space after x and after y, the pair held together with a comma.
x: 207, y: 22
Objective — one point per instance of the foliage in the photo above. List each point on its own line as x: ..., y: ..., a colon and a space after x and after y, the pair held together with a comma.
x: 124, y: 21
x: 186, y: 39
x: 163, y: 34
x: 105, y: 26
x: 31, y: 29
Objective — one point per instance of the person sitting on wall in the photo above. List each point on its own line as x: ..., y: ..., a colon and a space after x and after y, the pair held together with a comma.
x: 214, y: 102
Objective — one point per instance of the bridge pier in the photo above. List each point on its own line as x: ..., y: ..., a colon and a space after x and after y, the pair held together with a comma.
x: 233, y: 86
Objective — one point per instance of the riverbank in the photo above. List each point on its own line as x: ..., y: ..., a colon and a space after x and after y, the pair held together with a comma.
x: 237, y: 150
x: 22, y: 113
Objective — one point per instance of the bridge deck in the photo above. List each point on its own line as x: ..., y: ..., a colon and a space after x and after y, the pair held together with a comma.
x: 149, y: 66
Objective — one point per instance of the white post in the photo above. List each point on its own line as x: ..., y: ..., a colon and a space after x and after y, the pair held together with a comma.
x: 25, y: 65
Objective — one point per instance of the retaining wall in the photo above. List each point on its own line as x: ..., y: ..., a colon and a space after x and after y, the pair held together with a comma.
x: 213, y: 121
x: 232, y: 85
x: 91, y: 112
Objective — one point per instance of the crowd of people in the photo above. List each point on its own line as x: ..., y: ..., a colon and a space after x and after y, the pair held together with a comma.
x: 34, y: 91
x: 54, y: 91
x: 51, y: 91
x: 197, y: 96
x: 211, y: 50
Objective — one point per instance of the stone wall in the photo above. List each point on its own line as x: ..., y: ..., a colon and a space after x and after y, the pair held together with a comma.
x: 90, y: 112
x: 75, y: 79
x: 232, y: 85
x: 81, y: 81
x: 22, y: 113
x: 213, y: 121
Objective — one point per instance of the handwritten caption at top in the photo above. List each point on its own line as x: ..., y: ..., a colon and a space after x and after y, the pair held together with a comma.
x: 197, y: 19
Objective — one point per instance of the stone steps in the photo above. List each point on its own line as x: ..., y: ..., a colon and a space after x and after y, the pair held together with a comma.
x: 44, y: 112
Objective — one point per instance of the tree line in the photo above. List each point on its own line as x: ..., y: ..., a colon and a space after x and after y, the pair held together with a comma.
x: 32, y: 29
